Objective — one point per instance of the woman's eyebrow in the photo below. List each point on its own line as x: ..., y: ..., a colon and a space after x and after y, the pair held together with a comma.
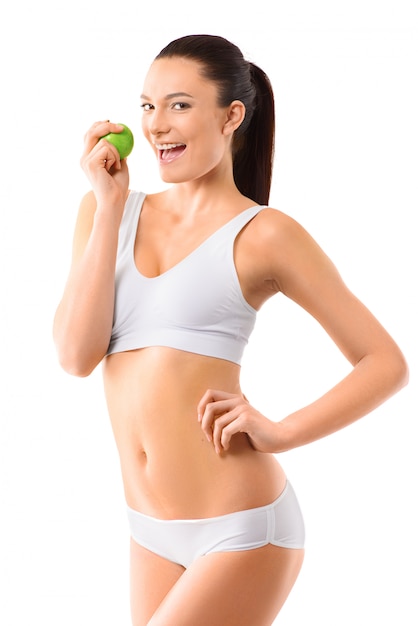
x: 169, y: 96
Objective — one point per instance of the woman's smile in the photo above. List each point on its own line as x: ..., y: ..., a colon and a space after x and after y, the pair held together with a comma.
x: 169, y: 152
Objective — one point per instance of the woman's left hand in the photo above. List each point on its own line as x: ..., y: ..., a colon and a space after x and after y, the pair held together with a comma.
x: 222, y: 415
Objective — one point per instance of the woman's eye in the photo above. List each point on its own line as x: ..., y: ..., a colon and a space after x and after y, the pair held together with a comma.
x: 146, y: 106
x: 180, y: 106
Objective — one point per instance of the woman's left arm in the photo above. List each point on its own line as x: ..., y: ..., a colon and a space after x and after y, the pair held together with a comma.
x: 296, y: 265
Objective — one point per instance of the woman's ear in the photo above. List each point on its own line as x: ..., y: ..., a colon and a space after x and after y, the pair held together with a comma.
x: 235, y: 114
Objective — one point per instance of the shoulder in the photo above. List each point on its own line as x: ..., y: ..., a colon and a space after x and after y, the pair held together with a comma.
x: 287, y: 254
x: 86, y: 211
x: 88, y: 205
x: 275, y: 223
x: 279, y: 234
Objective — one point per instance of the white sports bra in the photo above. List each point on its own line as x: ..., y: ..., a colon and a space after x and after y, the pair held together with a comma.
x: 196, y: 306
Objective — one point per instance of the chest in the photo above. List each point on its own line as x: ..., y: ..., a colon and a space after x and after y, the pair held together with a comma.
x: 162, y: 243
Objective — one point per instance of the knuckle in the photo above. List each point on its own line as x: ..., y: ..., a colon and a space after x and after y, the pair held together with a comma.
x: 210, y: 408
x: 217, y: 426
x: 225, y: 439
x: 89, y: 134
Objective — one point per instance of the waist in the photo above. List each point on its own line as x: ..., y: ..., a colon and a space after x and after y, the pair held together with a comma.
x: 176, y: 473
x: 169, y: 468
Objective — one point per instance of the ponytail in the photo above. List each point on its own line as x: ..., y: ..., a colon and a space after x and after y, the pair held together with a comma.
x: 253, y: 149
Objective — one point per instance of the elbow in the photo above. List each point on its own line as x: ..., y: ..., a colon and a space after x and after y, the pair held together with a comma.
x: 76, y: 370
x: 403, y: 372
x: 77, y: 355
x: 399, y: 371
x: 76, y: 363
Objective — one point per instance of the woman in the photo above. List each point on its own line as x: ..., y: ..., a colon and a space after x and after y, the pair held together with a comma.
x: 164, y: 289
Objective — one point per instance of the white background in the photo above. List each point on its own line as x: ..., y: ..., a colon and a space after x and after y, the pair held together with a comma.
x: 345, y: 79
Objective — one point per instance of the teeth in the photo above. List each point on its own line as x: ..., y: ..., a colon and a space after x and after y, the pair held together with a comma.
x: 167, y: 146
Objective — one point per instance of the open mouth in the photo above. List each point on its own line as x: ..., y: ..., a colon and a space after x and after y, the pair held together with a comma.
x: 168, y: 152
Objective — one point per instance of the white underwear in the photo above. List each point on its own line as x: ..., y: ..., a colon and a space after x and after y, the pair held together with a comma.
x: 183, y: 541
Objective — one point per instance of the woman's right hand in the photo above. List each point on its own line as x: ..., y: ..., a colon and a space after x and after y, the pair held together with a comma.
x: 107, y: 173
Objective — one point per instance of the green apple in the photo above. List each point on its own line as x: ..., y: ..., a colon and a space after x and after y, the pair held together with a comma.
x: 123, y: 141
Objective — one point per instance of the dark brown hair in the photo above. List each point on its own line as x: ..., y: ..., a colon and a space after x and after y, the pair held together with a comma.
x: 237, y: 79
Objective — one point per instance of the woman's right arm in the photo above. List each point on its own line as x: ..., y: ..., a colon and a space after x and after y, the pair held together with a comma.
x: 83, y: 320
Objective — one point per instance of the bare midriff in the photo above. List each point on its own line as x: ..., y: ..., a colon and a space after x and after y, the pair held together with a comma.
x: 169, y: 468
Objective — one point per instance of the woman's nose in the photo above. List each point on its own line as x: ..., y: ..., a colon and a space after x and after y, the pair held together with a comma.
x: 158, y: 123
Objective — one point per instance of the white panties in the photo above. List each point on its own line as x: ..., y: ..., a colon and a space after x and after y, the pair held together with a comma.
x: 183, y: 541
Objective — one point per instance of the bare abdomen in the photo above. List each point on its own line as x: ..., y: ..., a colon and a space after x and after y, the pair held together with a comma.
x: 169, y: 468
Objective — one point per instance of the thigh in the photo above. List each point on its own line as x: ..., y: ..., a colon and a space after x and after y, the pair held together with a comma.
x: 152, y: 577
x: 246, y: 588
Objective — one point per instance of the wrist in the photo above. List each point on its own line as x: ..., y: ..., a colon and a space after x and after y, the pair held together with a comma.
x: 109, y: 211
x: 285, y: 439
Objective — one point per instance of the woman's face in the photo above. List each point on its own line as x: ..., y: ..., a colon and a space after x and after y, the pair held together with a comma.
x: 183, y: 122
